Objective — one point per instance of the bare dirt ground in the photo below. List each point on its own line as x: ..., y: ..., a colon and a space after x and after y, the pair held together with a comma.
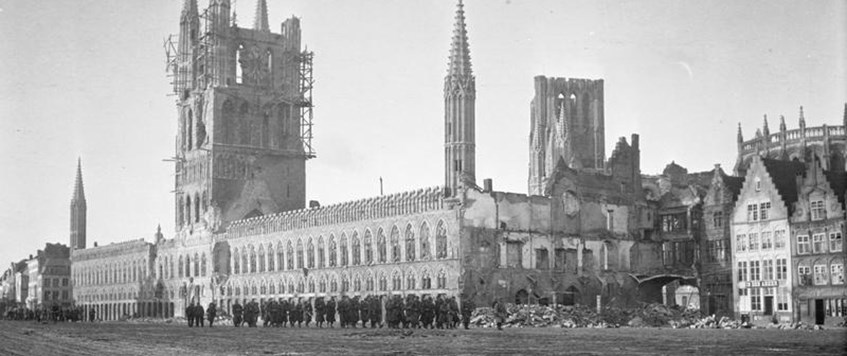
x: 121, y: 338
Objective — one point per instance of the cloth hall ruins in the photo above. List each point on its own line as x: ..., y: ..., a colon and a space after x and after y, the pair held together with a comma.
x: 588, y: 231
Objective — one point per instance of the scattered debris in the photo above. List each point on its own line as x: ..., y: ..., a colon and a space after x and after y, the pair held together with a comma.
x: 648, y: 315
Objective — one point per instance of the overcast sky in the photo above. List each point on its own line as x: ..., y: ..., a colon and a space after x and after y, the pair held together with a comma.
x: 86, y: 78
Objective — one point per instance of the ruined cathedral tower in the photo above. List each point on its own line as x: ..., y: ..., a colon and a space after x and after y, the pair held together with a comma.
x: 78, y: 211
x: 242, y: 94
x: 459, y: 112
x: 566, y: 125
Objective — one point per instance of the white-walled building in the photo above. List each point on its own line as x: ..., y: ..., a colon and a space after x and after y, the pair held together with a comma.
x: 760, y: 237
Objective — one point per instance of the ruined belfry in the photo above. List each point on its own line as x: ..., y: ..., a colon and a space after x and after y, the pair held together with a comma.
x: 459, y: 110
x: 243, y: 95
x: 567, y: 125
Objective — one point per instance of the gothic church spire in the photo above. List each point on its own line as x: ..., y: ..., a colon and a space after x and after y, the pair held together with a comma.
x: 260, y: 23
x: 459, y: 111
x: 79, y: 191
x: 78, y: 211
x: 460, y: 54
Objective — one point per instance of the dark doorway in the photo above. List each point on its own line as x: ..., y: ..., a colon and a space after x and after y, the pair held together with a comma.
x: 712, y: 305
x: 521, y: 297
x: 768, y: 305
x: 819, y: 312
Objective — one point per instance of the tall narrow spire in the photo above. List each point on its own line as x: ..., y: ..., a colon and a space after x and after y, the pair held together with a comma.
x: 78, y: 211
x: 260, y: 23
x: 460, y: 54
x: 740, y: 136
x: 802, y: 119
x: 459, y: 112
x: 79, y: 191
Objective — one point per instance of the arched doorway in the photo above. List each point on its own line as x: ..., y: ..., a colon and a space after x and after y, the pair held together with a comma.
x: 521, y: 297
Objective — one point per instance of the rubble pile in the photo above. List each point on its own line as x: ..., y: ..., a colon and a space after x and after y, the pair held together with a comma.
x: 648, y: 315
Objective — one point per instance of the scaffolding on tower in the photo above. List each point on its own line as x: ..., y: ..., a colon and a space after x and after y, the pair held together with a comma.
x: 307, y: 82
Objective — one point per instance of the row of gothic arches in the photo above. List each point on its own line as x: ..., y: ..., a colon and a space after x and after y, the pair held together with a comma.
x: 185, y: 266
x: 115, y: 272
x: 189, y: 210
x: 367, y: 281
x: 415, y: 243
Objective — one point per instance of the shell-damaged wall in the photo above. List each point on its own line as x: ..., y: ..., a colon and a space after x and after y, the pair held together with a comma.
x: 518, y: 247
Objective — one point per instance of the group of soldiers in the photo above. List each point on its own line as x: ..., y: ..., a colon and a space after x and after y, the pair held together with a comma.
x: 194, y: 314
x: 53, y: 313
x: 409, y: 312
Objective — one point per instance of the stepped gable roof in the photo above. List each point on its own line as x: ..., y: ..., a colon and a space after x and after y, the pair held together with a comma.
x: 784, y: 175
x: 838, y: 183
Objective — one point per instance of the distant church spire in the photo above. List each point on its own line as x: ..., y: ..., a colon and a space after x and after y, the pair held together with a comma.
x: 261, y: 21
x: 459, y: 111
x: 78, y: 211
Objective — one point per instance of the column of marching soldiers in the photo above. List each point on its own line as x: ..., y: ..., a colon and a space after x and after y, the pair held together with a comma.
x: 411, y: 312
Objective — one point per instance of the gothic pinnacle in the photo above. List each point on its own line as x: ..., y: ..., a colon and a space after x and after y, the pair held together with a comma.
x: 765, y: 128
x: 460, y: 58
x: 802, y: 118
x: 260, y: 23
x: 740, y: 136
x: 781, y: 123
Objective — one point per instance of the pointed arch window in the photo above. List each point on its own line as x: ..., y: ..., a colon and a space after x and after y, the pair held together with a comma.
x: 322, y: 285
x: 383, y: 282
x: 560, y: 107
x: 411, y: 281
x: 189, y: 125
x: 321, y: 250
x: 187, y: 209
x: 332, y: 251
x: 440, y: 240
x: 261, y: 258
x: 271, y: 255
x: 410, y: 243
x: 333, y: 285
x: 426, y: 280
x: 203, y: 265
x: 395, y: 244
x: 236, y: 263
x: 396, y: 281
x: 252, y: 259
x: 442, y: 280
x: 197, y: 208
x: 356, y: 250
x: 381, y: 249
x: 310, y: 254
x: 424, y: 241
x: 345, y: 284
x: 196, y: 265
x: 369, y: 282
x: 280, y: 256
x: 187, y: 266
x: 572, y: 108
x: 342, y: 251
x: 289, y: 256
x: 368, y: 244
x: 300, y: 254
